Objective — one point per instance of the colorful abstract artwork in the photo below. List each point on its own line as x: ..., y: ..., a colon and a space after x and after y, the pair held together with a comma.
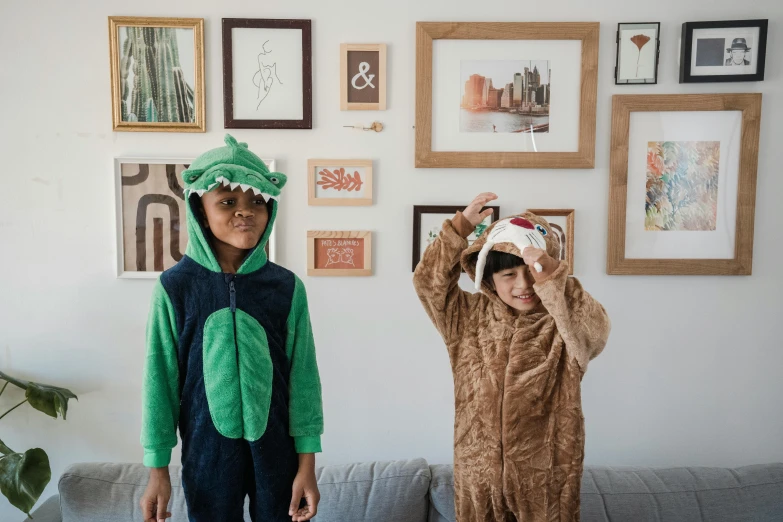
x: 682, y: 185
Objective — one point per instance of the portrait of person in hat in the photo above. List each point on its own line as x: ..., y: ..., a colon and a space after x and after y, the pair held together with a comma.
x: 738, y: 50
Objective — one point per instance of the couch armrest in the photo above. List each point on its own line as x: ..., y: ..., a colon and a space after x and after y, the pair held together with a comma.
x: 49, y: 511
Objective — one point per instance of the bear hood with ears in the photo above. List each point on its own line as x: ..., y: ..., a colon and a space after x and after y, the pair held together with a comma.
x: 509, y: 235
x: 235, y: 166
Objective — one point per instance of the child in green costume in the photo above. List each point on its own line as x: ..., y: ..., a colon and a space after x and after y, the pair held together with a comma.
x: 230, y: 358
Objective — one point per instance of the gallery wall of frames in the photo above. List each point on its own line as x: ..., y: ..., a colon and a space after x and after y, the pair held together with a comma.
x: 511, y: 95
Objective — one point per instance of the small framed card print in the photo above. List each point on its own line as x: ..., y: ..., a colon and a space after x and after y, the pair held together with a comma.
x: 363, y: 77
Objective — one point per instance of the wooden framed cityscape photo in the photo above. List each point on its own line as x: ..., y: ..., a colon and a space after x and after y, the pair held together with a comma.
x: 486, y: 98
x: 267, y: 74
x: 562, y: 223
x: 157, y: 74
x: 339, y: 253
x: 683, y: 184
x: 363, y: 77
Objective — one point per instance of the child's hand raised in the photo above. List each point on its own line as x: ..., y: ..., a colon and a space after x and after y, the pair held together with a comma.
x: 473, y: 211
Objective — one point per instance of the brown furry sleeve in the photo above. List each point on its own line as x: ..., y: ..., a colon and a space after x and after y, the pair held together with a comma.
x: 580, y: 319
x: 436, y: 281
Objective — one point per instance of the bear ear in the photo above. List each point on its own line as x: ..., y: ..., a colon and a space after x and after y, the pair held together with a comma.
x: 243, y: 144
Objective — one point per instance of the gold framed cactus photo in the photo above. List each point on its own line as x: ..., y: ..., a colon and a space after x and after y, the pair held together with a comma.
x: 157, y: 74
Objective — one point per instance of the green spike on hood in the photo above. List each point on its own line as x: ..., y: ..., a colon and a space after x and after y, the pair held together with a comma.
x: 235, y: 166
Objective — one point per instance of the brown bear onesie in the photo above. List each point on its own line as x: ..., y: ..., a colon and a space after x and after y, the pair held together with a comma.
x: 518, y: 427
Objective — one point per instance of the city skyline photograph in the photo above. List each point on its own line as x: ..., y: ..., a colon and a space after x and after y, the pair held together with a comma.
x: 505, y: 96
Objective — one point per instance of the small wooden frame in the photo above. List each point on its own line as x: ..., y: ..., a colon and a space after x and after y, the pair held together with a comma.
x: 341, y: 249
x: 427, y: 32
x: 622, y: 107
x: 355, y: 79
x: 194, y: 115
x: 568, y: 214
x: 338, y: 187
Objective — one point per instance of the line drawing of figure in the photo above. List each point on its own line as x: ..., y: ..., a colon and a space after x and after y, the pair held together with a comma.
x: 347, y: 256
x: 264, y: 78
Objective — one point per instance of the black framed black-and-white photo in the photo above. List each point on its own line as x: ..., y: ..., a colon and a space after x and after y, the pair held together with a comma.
x: 723, y: 51
x: 638, y: 48
x: 267, y: 74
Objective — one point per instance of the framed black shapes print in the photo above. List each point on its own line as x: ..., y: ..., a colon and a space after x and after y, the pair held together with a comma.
x: 723, y: 51
x: 638, y: 50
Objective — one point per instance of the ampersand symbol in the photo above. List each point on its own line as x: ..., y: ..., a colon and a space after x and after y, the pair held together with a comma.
x: 363, y: 68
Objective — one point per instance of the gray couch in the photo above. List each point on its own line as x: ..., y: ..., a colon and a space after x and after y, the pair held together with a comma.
x: 413, y: 491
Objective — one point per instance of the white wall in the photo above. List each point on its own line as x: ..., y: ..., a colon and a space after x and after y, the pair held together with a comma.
x: 692, y: 371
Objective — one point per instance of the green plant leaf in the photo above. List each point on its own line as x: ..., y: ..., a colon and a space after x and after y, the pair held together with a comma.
x: 5, y: 450
x: 50, y: 400
x: 23, y: 477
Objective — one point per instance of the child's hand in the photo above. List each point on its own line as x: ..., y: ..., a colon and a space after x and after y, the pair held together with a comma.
x: 305, y: 486
x: 473, y: 211
x: 532, y: 255
x: 156, y: 498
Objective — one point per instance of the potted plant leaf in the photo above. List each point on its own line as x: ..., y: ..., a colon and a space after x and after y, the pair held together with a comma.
x: 24, y: 476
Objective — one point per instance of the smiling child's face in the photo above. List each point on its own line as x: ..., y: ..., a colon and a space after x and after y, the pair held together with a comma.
x: 236, y: 218
x: 514, y: 286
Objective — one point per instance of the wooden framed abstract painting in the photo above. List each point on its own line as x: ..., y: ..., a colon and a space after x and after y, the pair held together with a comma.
x: 683, y: 184
x: 339, y: 182
x: 157, y: 74
x: 150, y: 212
x: 562, y: 223
x: 363, y: 77
x: 339, y: 253
x: 506, y: 95
x: 267, y: 74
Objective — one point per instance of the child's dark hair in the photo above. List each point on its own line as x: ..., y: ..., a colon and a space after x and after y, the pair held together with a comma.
x: 499, y: 261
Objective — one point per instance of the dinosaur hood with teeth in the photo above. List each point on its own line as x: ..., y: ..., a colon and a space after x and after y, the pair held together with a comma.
x: 232, y: 166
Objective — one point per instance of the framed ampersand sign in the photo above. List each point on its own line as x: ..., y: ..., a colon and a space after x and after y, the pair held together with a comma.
x: 363, y: 77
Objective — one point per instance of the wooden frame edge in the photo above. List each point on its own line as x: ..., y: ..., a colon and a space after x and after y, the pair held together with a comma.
x: 583, y: 158
x: 622, y: 106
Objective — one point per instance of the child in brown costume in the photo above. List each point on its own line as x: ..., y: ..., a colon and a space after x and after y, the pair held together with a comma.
x: 518, y: 351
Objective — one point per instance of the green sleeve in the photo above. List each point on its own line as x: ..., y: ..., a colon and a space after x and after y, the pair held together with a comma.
x: 306, y: 409
x: 160, y: 387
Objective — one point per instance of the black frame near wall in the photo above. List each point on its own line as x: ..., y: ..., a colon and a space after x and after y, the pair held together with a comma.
x: 686, y: 51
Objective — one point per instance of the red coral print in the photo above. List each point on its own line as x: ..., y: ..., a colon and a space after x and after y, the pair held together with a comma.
x: 338, y: 180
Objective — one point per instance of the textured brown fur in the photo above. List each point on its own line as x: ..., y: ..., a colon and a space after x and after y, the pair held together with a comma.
x: 518, y: 428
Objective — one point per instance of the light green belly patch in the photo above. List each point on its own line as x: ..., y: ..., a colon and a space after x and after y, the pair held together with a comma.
x: 237, y: 374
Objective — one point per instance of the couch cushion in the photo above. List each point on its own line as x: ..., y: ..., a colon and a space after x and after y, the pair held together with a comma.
x: 109, y: 492
x: 106, y: 492
x: 389, y: 491
x: 442, y: 494
x: 751, y: 493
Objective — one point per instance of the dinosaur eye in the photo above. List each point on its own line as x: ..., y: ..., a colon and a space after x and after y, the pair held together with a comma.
x: 541, y: 229
x: 274, y: 180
